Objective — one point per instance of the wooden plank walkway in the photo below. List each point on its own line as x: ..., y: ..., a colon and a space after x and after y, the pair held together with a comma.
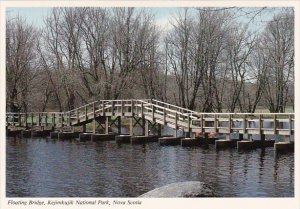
x: 157, y: 112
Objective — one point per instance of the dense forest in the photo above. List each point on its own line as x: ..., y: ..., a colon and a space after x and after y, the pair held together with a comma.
x: 207, y: 60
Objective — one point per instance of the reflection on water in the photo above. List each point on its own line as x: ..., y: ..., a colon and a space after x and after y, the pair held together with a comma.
x: 49, y: 168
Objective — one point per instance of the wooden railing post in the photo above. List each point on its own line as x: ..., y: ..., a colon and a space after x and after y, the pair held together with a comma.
x: 275, y: 124
x: 19, y: 118
x: 94, y: 119
x: 132, y: 113
x: 42, y: 125
x: 31, y: 119
x: 122, y: 107
x: 136, y: 107
x: 113, y: 108
x: 202, y: 124
x: 69, y: 118
x: 290, y: 125
x: 103, y: 109
x: 13, y: 119
x: 142, y: 109
x: 46, y: 119
x: 77, y: 115
x: 176, y: 120
x: 61, y: 120
x: 106, y: 125
x: 164, y: 116
x: 259, y: 124
x: 119, y: 125
x: 146, y: 125
x: 131, y: 126
x: 175, y: 129
x: 26, y: 124
x: 244, y: 125
x: 153, y: 113
x: 215, y: 123
x: 189, y: 124
x: 85, y: 112
x: 39, y: 120
x: 230, y: 123
x: 99, y: 108
x: 53, y: 120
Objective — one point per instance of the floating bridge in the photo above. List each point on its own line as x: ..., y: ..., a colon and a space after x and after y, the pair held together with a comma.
x: 197, y: 128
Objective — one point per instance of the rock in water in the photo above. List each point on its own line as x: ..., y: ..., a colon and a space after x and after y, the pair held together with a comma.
x: 182, y: 189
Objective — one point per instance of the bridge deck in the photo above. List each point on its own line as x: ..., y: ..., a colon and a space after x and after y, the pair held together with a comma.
x: 160, y: 113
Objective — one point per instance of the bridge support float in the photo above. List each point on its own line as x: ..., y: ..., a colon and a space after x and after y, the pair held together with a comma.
x: 54, y: 135
x: 123, y: 138
x: 43, y: 133
x: 13, y: 133
x: 66, y: 135
x: 248, y: 145
x: 228, y: 142
x: 170, y: 141
x: 190, y: 142
x: 26, y: 134
x: 283, y: 147
x: 103, y: 137
x: 85, y: 136
x: 143, y: 139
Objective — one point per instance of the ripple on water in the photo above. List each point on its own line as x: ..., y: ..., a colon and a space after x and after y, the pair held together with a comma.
x: 48, y: 168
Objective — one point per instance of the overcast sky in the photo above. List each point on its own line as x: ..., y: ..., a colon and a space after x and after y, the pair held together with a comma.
x: 163, y: 15
x: 36, y: 15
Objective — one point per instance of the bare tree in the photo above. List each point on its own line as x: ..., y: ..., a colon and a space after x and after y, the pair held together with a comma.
x: 195, y: 45
x: 20, y: 63
x: 216, y: 60
x: 179, y: 42
x: 278, y: 41
x: 239, y: 46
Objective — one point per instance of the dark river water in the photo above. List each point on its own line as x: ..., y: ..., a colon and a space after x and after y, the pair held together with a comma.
x: 50, y: 168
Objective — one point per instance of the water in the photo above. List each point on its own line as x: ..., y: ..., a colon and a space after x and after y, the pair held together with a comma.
x: 50, y: 168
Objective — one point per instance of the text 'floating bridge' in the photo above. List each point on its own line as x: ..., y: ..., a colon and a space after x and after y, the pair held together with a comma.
x: 148, y: 114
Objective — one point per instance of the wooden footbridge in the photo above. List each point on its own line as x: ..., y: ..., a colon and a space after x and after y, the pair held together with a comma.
x: 149, y: 114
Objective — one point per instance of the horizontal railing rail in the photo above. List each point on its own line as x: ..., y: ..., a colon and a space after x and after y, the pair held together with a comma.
x: 162, y: 113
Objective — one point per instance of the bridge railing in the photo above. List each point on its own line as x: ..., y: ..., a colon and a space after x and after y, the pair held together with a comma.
x: 193, y: 114
x: 164, y: 113
x: 35, y: 119
x: 256, y: 123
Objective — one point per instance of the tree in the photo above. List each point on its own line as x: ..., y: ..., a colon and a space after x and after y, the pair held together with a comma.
x: 20, y: 63
x: 194, y: 48
x: 278, y: 42
x: 239, y: 47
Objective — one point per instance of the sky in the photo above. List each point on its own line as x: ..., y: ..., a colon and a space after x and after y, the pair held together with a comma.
x: 35, y: 15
